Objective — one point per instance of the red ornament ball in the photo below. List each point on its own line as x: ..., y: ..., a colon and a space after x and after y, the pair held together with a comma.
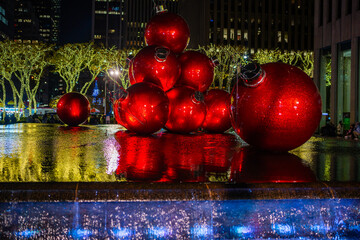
x: 157, y: 65
x: 275, y: 107
x: 187, y: 110
x: 217, y: 118
x: 73, y: 108
x: 169, y: 30
x: 143, y: 109
x: 197, y: 70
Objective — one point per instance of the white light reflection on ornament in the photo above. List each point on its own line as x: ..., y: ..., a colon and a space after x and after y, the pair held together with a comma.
x: 111, y: 154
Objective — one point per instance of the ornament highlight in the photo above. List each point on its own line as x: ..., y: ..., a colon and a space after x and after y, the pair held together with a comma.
x: 275, y: 106
x: 169, y: 30
x: 217, y: 118
x: 157, y: 65
x: 73, y: 108
x: 143, y: 108
x: 197, y: 70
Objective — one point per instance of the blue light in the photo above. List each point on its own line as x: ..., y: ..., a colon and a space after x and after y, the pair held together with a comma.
x: 320, y: 228
x: 80, y: 233
x: 211, y: 20
x: 159, y: 232
x: 241, y: 230
x: 121, y: 232
x: 26, y: 233
x: 201, y: 231
x: 282, y: 229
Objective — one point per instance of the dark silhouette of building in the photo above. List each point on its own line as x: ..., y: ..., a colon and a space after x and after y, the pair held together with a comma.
x: 255, y: 24
x: 36, y: 20
x: 6, y: 19
x: 336, y: 66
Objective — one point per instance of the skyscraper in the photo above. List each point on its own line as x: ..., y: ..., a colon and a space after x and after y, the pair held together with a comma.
x: 36, y: 20
x: 6, y: 19
x: 255, y: 24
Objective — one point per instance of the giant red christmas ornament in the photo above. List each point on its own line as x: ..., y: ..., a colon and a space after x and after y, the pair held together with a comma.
x: 157, y: 65
x: 144, y: 108
x: 197, y: 70
x: 275, y: 107
x: 217, y: 118
x: 253, y: 166
x: 73, y: 108
x: 187, y: 110
x: 168, y: 30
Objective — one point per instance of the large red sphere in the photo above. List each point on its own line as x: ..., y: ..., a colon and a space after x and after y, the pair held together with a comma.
x: 73, y: 108
x: 144, y: 110
x: 187, y: 110
x: 197, y: 70
x: 157, y: 65
x: 168, y: 30
x: 217, y: 118
x: 253, y: 166
x: 278, y: 109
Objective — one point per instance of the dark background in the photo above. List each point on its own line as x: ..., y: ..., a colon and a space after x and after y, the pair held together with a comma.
x: 75, y: 25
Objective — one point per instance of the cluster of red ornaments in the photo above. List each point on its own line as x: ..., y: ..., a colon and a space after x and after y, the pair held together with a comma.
x: 169, y: 86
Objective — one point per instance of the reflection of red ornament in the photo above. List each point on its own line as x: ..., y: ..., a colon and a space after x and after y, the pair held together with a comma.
x: 253, y: 166
x: 139, y: 157
x: 217, y: 118
x: 168, y: 30
x: 157, y: 65
x: 197, y: 70
x: 218, y: 151
x: 276, y: 107
x: 144, y: 109
x: 184, y: 157
x: 187, y: 110
x: 73, y: 108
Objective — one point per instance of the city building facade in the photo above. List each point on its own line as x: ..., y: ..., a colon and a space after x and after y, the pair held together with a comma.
x: 337, y: 53
x: 255, y: 24
x: 6, y: 19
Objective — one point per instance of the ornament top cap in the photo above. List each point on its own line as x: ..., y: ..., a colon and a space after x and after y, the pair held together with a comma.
x: 197, y: 97
x: 252, y: 74
x: 160, y: 9
x: 161, y: 54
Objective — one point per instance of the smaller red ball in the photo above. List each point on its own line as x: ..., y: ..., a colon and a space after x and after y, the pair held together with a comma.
x: 169, y: 30
x: 187, y: 110
x: 157, y: 65
x: 144, y: 110
x: 73, y: 108
x: 217, y: 118
x: 197, y: 71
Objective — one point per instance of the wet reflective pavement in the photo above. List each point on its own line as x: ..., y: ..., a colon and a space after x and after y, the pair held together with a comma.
x: 107, y: 153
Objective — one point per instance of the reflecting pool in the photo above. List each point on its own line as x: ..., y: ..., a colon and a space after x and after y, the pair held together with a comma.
x: 106, y: 153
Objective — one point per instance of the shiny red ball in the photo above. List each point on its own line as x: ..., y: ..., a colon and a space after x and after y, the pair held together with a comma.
x: 186, y: 110
x: 278, y: 110
x: 73, y: 108
x: 157, y: 65
x: 217, y: 118
x: 144, y: 110
x: 169, y: 30
x: 197, y: 70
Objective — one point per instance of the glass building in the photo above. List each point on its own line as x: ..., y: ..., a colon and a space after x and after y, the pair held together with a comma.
x: 336, y: 66
x: 6, y: 19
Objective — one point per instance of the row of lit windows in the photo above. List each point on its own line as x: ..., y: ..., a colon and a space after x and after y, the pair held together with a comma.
x: 44, y: 16
x: 108, y: 12
x: 25, y: 41
x: 22, y: 10
x: 24, y: 20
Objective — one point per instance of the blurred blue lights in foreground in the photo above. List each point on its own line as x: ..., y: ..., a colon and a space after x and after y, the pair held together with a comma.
x: 232, y: 219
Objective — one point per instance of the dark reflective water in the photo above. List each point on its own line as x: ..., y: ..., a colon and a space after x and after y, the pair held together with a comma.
x: 47, y: 152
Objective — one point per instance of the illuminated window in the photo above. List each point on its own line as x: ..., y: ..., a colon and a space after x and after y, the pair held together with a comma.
x: 97, y: 36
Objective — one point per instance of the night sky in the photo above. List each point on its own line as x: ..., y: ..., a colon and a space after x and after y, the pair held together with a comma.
x: 75, y: 21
